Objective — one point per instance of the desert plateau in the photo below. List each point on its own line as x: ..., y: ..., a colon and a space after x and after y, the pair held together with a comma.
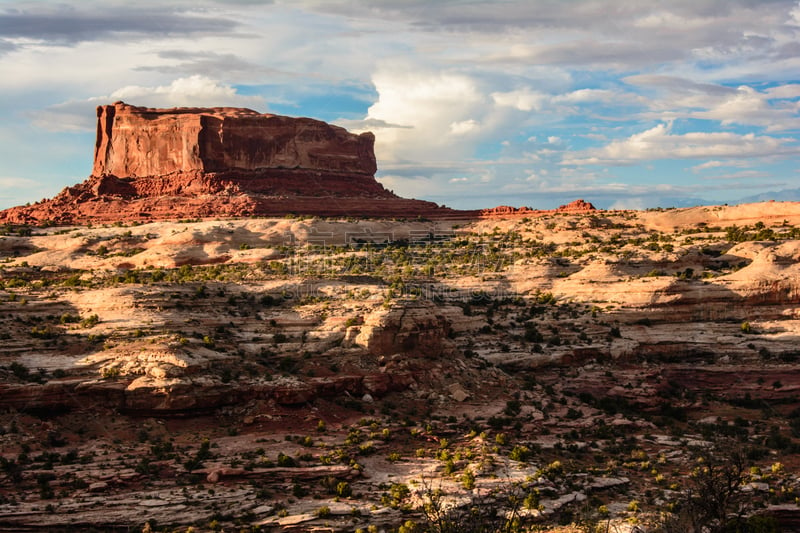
x: 229, y: 330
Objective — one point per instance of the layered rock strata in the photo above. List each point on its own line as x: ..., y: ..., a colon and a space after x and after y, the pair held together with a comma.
x: 505, y: 211
x: 156, y: 164
x: 152, y: 164
x: 135, y: 141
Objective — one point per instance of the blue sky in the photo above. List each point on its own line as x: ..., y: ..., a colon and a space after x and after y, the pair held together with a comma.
x: 473, y: 103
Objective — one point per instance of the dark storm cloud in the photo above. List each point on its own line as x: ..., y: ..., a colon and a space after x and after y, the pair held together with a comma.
x: 69, y: 25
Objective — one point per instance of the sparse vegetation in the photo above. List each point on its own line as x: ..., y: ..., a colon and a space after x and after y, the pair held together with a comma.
x: 471, y: 356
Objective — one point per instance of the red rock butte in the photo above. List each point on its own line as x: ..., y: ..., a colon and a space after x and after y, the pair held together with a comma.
x: 153, y: 164
x: 141, y: 142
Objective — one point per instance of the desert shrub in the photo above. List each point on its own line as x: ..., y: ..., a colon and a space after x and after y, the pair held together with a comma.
x: 494, y: 512
x: 513, y: 408
x: 714, y: 500
x: 468, y: 480
x: 43, y: 332
x: 343, y: 489
x: 520, y: 453
x: 286, y: 461
x: 110, y: 372
x: 68, y: 318
x: 396, y: 495
x: 203, y: 453
x: 90, y: 321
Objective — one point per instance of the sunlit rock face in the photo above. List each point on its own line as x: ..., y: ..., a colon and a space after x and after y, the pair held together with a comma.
x: 138, y: 142
x: 152, y: 164
x: 156, y: 164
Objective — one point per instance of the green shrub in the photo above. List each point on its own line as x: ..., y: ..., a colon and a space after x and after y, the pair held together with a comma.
x: 343, y: 489
x: 298, y: 491
x: 286, y: 461
x: 520, y: 453
x: 468, y: 480
x: 67, y: 318
x: 397, y: 493
x: 90, y: 321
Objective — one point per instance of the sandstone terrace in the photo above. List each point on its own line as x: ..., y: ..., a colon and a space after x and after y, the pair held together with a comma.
x: 575, y: 358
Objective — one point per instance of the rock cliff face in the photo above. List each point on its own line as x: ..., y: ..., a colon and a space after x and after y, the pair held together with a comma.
x: 186, y: 163
x: 413, y: 325
x: 152, y: 164
x: 136, y: 141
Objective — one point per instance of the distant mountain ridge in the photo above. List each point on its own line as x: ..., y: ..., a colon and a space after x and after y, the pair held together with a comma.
x: 785, y: 195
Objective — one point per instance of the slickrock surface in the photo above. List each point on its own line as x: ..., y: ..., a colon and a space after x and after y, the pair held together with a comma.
x: 329, y: 374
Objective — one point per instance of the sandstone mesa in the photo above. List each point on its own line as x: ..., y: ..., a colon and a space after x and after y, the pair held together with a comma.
x: 154, y: 164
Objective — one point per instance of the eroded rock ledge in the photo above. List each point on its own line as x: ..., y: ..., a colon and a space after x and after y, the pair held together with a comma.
x: 153, y: 164
x: 138, y: 141
x: 187, y: 163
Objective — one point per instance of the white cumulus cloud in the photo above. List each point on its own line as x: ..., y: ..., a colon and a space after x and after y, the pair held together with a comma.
x: 660, y: 143
x: 194, y: 91
x: 436, y: 108
x: 464, y: 127
x: 521, y: 99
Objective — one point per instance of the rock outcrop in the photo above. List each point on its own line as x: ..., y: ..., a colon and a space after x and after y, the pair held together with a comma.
x: 153, y: 164
x: 187, y: 163
x: 138, y: 142
x: 408, y: 326
x: 506, y: 211
x: 576, y: 206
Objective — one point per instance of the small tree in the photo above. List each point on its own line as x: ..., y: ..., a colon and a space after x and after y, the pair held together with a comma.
x: 715, y: 501
x: 497, y: 512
